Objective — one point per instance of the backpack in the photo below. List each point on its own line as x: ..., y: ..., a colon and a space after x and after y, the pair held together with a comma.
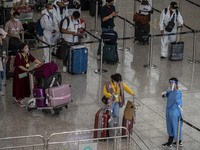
x: 61, y: 23
x: 39, y: 29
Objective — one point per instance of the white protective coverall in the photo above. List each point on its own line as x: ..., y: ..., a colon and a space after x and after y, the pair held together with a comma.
x: 49, y: 25
x: 144, y: 9
x: 57, y: 12
x: 164, y: 19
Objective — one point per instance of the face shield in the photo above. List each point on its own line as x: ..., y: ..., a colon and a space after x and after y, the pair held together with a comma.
x: 172, y: 85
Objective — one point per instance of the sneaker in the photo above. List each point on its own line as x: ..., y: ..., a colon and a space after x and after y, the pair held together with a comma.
x: 21, y: 104
x: 180, y: 144
x: 64, y: 69
x: 2, y: 93
x: 163, y: 58
x: 169, y: 146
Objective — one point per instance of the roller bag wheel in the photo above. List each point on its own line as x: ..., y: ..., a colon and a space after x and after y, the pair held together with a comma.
x: 78, y: 59
x: 141, y: 33
x: 110, y: 54
x: 46, y: 82
x: 176, y: 51
x: 127, y: 123
x: 101, y: 121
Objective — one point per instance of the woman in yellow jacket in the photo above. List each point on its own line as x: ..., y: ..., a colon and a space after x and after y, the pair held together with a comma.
x: 114, y: 92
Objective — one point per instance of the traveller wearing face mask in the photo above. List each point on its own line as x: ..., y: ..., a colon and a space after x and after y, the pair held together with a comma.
x: 71, y: 33
x: 21, y: 84
x: 51, y: 30
x: 173, y: 112
x: 14, y: 26
x: 168, y: 14
x: 114, y: 92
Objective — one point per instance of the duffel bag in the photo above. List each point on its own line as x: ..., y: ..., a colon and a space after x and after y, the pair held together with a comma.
x: 45, y: 70
x: 109, y: 37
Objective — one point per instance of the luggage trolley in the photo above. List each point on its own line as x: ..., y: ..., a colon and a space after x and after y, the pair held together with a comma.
x: 52, y: 99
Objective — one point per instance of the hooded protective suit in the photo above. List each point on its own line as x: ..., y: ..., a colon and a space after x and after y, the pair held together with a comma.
x: 164, y: 19
x: 49, y: 25
x: 174, y: 99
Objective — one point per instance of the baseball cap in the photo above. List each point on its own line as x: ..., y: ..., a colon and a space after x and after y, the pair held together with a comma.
x: 3, y: 33
x: 174, y: 5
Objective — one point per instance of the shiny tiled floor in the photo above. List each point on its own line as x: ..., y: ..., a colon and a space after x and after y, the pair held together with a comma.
x: 147, y: 84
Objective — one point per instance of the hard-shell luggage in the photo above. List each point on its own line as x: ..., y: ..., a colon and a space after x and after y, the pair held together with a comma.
x: 109, y: 37
x: 46, y: 70
x: 141, y: 33
x: 39, y: 94
x: 101, y: 121
x: 127, y: 123
x: 176, y: 51
x: 59, y: 96
x: 78, y: 59
x: 46, y: 82
x: 110, y: 54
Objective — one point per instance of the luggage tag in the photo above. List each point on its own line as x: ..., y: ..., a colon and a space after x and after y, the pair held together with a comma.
x: 23, y: 75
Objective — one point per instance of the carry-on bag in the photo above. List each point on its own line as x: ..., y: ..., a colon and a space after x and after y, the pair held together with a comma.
x: 78, y: 59
x: 176, y: 51
x: 176, y: 48
x: 39, y: 94
x: 109, y: 37
x: 110, y: 54
x: 142, y: 33
x: 101, y: 121
x: 59, y: 95
x: 128, y: 117
x: 46, y: 82
x: 141, y: 19
x: 45, y: 70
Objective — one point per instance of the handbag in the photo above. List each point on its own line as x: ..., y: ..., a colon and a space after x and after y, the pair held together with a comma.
x: 129, y: 110
x: 141, y: 19
x: 104, y: 100
x: 170, y: 25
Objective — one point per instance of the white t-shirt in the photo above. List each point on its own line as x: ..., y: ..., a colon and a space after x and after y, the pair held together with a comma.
x: 74, y: 25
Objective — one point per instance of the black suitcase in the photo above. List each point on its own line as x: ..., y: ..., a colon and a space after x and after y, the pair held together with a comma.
x: 46, y: 82
x: 176, y: 51
x: 110, y: 54
x: 141, y: 33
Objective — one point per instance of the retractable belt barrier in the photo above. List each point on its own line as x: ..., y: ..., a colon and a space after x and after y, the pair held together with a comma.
x: 189, y: 124
x: 192, y: 3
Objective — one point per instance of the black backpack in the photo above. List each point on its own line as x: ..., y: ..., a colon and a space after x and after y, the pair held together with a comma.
x: 61, y: 23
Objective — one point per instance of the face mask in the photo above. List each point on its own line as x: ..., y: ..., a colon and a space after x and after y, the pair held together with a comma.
x: 51, y: 10
x: 16, y: 19
x: 66, y: 3
x: 26, y: 50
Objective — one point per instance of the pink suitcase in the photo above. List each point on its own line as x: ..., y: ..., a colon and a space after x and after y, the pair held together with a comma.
x: 39, y: 94
x: 46, y: 70
x: 59, y: 95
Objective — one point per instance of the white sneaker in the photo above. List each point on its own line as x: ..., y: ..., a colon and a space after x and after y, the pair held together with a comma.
x: 2, y: 93
x: 64, y: 69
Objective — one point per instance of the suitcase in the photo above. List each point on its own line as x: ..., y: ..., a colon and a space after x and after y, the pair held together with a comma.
x: 142, y: 36
x: 59, y: 95
x: 46, y: 82
x: 127, y: 123
x: 176, y: 51
x: 78, y: 59
x: 109, y: 37
x: 110, y: 54
x: 46, y: 70
x: 101, y: 121
x: 39, y: 94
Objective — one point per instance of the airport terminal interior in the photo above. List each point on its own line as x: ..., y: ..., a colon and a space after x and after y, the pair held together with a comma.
x: 142, y: 70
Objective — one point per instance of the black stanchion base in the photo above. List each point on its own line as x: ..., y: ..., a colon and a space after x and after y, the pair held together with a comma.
x: 99, y: 71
